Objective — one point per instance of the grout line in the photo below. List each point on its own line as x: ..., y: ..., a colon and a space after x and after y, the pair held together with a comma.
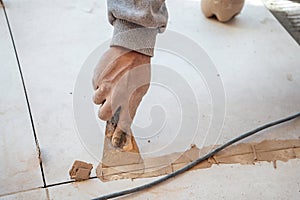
x: 45, y: 187
x: 47, y: 194
x: 60, y: 183
x: 26, y: 97
x: 67, y: 182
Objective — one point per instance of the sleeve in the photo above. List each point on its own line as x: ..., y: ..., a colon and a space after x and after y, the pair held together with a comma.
x: 136, y: 23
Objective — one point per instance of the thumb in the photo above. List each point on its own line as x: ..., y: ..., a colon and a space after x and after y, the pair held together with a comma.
x: 122, y: 129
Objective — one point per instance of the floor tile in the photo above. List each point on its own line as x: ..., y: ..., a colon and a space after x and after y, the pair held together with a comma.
x: 36, y: 194
x: 53, y: 40
x: 19, y: 166
x: 260, y: 181
x: 257, y: 61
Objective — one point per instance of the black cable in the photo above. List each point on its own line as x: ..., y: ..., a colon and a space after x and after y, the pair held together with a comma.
x: 199, y: 160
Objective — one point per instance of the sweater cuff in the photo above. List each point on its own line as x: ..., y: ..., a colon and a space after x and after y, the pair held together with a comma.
x: 133, y: 36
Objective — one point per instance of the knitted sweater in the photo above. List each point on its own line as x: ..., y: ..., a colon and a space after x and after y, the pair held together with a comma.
x: 136, y: 23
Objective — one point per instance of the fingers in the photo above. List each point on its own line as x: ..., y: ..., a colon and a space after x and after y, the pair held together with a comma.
x: 101, y: 94
x: 125, y: 119
x: 136, y: 99
x: 118, y: 137
x: 122, y: 130
x: 105, y: 111
x: 99, y: 97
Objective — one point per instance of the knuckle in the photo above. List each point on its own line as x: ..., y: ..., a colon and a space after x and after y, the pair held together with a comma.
x: 96, y: 99
x: 102, y: 115
x: 105, y: 86
x: 94, y: 83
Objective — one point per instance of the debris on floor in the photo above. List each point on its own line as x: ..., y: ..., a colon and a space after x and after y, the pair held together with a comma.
x: 243, y: 153
x: 80, y: 170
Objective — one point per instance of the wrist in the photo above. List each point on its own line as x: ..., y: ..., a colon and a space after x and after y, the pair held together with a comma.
x: 134, y: 37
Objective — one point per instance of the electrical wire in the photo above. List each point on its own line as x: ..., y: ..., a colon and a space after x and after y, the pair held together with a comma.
x: 199, y: 160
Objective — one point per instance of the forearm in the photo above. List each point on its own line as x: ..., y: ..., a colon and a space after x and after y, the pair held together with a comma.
x: 136, y: 23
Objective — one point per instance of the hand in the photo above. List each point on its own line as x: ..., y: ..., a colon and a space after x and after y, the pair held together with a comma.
x: 121, y: 79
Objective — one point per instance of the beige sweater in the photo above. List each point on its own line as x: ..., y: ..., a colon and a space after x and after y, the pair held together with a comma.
x: 136, y: 23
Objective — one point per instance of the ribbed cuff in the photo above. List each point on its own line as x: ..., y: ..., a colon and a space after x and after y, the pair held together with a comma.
x: 134, y: 37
